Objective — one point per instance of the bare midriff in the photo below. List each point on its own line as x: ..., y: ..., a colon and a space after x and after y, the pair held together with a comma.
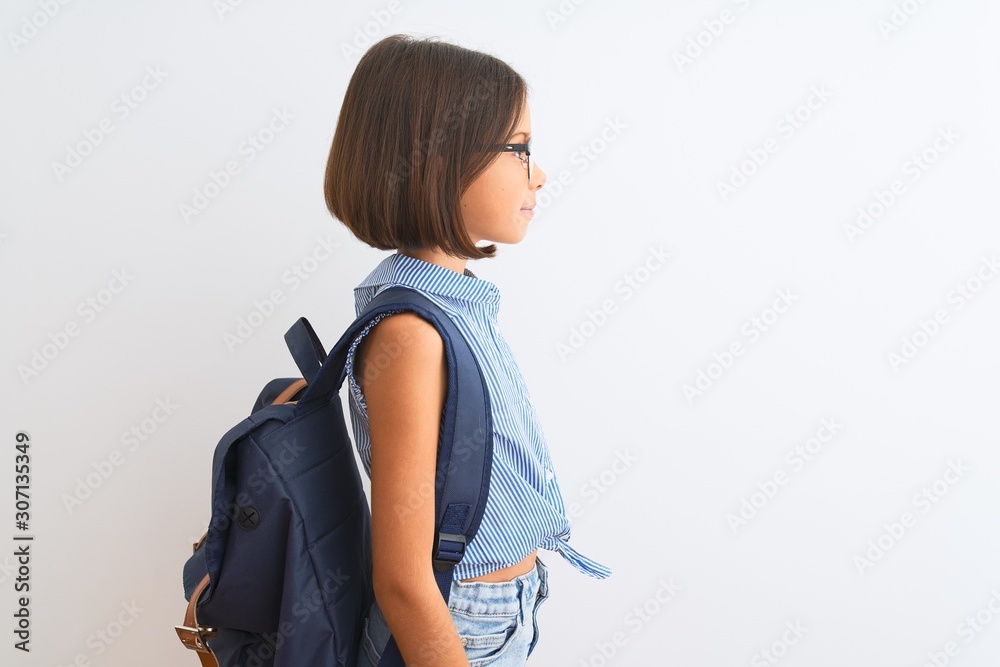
x: 509, y: 572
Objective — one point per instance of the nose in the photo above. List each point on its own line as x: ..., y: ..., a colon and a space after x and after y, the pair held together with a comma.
x: 538, y: 176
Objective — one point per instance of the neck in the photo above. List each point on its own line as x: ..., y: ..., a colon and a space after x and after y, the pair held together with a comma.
x: 435, y: 257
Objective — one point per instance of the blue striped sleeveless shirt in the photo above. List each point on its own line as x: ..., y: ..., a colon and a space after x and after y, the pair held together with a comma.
x: 524, y: 509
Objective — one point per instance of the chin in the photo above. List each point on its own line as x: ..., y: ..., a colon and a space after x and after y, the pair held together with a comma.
x: 510, y: 236
x: 516, y: 238
x: 508, y: 240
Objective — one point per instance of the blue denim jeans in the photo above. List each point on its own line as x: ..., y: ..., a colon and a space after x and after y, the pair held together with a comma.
x: 496, y: 621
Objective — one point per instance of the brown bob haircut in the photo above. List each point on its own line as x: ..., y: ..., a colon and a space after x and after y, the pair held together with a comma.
x: 421, y: 119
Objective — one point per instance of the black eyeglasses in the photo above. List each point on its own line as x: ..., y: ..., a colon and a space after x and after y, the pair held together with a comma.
x: 525, y: 154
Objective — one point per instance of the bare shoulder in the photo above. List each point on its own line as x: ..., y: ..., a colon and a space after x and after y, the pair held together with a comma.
x: 403, y: 342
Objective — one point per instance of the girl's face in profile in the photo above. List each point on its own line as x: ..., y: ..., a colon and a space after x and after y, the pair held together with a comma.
x: 496, y: 206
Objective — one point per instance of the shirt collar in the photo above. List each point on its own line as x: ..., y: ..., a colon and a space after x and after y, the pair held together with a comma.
x: 426, y: 276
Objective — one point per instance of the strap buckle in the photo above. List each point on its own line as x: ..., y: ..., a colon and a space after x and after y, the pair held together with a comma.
x: 196, y: 638
x: 447, y: 555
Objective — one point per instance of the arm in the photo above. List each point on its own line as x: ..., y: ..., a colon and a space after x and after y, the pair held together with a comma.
x: 404, y: 388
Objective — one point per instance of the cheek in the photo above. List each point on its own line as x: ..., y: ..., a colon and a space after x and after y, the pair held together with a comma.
x: 507, y: 193
x: 494, y: 196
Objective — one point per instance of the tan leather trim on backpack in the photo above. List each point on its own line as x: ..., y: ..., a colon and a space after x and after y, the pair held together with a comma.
x: 194, y: 636
x: 290, y: 391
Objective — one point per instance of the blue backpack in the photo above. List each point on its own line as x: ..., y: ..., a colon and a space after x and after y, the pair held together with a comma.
x: 283, y: 575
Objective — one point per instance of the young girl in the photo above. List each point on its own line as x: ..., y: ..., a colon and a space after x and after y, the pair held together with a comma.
x: 431, y: 156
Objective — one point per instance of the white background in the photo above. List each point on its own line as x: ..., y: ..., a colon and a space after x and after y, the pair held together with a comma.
x: 685, y: 128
